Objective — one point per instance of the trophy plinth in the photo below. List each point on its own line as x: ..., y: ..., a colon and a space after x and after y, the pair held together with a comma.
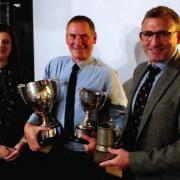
x: 91, y: 101
x: 42, y: 96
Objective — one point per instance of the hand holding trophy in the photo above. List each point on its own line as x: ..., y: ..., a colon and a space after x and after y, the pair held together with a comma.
x: 91, y: 101
x: 42, y: 96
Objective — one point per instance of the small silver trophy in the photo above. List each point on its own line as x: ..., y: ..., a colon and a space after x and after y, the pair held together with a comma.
x: 105, y: 136
x: 91, y: 101
x: 42, y: 96
x: 108, y: 135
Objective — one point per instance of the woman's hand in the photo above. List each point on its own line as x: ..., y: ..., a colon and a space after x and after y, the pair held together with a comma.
x: 5, y: 151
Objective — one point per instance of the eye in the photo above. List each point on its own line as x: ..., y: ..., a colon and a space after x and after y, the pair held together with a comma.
x: 164, y: 33
x: 72, y: 36
x: 147, y: 33
x: 84, y: 36
x: 6, y: 41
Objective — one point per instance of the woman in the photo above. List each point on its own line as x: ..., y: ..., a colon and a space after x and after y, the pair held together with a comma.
x: 13, y: 111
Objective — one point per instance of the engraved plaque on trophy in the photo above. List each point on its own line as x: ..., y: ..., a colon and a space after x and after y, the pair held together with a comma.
x: 42, y: 96
x: 91, y: 101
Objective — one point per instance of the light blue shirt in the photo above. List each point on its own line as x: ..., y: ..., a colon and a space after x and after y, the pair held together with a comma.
x: 92, y: 75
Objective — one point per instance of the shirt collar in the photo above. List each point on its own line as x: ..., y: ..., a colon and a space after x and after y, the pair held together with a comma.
x: 84, y: 63
x: 163, y: 65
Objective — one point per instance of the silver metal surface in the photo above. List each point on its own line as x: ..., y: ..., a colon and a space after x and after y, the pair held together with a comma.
x: 105, y: 137
x: 42, y: 96
x: 91, y: 101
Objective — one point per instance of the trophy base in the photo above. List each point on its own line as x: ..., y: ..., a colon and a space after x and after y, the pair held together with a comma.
x: 46, y: 138
x: 80, y: 140
x: 49, y: 137
x: 80, y: 131
x: 100, y: 156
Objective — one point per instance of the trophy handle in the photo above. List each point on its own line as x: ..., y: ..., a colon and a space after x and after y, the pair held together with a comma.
x: 21, y: 88
x: 55, y: 83
x: 101, y: 102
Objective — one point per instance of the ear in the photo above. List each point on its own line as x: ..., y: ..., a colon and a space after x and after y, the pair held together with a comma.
x: 66, y: 38
x: 178, y: 38
x: 95, y: 37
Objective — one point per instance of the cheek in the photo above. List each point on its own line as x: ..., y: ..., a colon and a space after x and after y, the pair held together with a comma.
x: 67, y: 42
x: 9, y: 49
x: 145, y: 46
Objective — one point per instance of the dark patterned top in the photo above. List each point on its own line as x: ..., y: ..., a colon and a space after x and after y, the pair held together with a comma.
x: 13, y: 111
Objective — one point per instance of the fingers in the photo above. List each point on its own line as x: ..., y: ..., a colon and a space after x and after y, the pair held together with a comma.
x: 106, y: 163
x: 113, y: 151
x: 5, y: 151
x: 14, y: 154
x: 31, y: 134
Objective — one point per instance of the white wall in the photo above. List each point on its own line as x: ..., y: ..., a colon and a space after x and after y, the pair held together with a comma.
x: 117, y: 25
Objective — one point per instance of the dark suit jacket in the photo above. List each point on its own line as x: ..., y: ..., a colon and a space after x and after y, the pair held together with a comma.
x: 157, y: 147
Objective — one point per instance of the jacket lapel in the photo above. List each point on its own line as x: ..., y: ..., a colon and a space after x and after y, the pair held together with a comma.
x: 137, y: 79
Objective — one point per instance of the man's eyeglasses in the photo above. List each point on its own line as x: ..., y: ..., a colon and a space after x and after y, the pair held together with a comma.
x: 161, y: 35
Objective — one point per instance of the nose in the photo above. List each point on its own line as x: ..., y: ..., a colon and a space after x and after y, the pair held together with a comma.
x: 155, y: 39
x: 78, y: 40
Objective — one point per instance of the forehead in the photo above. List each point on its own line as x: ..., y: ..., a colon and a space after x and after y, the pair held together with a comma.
x: 160, y: 23
x: 79, y: 28
x: 4, y: 35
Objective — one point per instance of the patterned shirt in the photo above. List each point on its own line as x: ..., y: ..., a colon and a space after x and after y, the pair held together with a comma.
x: 13, y: 111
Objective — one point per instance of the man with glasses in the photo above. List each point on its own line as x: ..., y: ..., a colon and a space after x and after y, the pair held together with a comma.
x: 151, y: 140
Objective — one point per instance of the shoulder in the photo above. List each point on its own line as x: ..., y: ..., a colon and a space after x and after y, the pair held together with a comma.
x: 104, y: 67
x: 21, y: 73
x: 59, y: 60
x: 175, y: 61
x: 140, y: 67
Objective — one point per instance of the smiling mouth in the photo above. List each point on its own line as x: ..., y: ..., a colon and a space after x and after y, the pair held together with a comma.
x: 156, y: 50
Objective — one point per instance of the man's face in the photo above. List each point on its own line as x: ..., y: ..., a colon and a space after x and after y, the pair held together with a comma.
x: 80, y: 40
x: 156, y: 49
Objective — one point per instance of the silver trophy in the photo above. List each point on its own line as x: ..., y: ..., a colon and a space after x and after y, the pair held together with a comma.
x: 91, y: 102
x: 108, y: 135
x: 42, y: 96
x: 105, y: 136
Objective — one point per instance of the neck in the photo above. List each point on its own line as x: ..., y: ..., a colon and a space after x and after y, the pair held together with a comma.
x: 3, y: 63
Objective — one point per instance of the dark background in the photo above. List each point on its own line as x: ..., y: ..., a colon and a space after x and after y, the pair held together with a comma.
x: 19, y: 14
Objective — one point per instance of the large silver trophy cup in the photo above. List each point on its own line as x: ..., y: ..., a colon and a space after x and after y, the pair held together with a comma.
x: 91, y: 102
x: 42, y: 96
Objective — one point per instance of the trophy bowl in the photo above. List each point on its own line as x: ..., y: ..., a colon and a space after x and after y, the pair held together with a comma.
x: 91, y: 102
x: 42, y: 96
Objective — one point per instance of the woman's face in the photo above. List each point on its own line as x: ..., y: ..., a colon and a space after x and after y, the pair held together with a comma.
x: 5, y: 46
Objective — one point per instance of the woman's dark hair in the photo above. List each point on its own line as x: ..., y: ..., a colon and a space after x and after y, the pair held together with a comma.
x: 14, y: 55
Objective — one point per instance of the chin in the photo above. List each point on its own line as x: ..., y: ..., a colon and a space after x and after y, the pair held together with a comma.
x: 157, y: 60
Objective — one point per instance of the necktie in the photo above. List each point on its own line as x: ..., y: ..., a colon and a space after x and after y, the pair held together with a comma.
x: 70, y: 99
x: 139, y: 106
